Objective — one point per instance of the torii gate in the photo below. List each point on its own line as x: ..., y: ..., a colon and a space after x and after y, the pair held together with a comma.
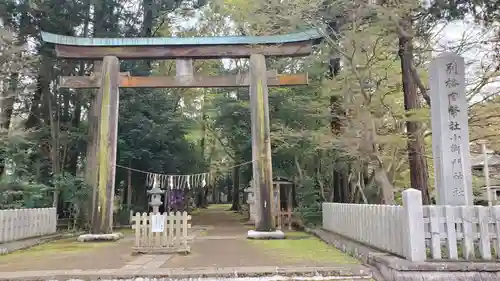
x: 103, y: 118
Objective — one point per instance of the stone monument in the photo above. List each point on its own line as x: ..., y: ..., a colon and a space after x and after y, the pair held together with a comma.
x: 450, y: 130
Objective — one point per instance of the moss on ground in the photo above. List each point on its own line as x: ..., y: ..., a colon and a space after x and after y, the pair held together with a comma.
x: 219, y: 206
x: 69, y: 245
x: 226, y: 208
x: 195, y: 212
x: 125, y: 230
x: 303, y: 247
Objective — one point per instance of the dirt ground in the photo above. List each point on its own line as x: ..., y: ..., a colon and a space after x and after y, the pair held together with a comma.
x: 220, y: 242
x: 224, y: 244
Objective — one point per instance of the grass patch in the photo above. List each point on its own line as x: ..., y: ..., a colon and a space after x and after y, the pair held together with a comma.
x: 237, y: 215
x: 303, y: 247
x: 195, y: 211
x: 219, y: 206
x: 124, y: 230
x: 69, y: 245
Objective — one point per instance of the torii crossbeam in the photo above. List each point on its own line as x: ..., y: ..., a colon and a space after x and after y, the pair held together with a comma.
x: 103, y: 118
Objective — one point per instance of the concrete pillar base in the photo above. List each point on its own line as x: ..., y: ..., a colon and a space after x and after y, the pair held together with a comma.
x: 254, y: 234
x: 100, y: 237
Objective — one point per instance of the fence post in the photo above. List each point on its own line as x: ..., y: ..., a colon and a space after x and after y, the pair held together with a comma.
x: 55, y: 217
x: 3, y: 226
x: 414, y: 225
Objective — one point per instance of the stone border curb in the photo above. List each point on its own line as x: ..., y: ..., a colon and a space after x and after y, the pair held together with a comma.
x: 351, y: 248
x: 387, y: 267
x: 186, y: 273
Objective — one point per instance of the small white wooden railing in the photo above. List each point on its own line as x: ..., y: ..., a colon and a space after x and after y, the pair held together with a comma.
x: 174, y: 237
x: 375, y: 225
x: 19, y: 224
x: 417, y: 232
x: 462, y: 232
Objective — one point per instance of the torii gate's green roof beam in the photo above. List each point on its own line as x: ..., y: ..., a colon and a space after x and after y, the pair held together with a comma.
x: 308, y: 35
x: 288, y: 45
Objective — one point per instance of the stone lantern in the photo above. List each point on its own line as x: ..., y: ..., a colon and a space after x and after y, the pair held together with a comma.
x: 155, y: 193
x: 252, y: 199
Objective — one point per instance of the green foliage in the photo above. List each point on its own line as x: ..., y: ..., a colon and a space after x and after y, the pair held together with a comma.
x: 46, y: 146
x: 309, y: 207
x: 485, y: 11
x: 17, y: 194
x: 75, y: 195
x: 182, y: 131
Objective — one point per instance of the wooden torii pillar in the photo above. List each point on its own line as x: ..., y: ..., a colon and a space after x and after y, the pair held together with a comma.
x: 108, y: 80
x: 105, y: 126
x: 261, y: 147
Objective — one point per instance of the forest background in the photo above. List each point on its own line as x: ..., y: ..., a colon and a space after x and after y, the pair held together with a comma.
x: 359, y: 132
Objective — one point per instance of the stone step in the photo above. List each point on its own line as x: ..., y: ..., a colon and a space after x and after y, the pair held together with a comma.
x: 263, y: 278
x: 209, y: 273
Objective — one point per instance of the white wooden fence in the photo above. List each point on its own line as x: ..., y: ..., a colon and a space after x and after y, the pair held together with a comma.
x: 418, y: 232
x: 375, y: 225
x: 468, y: 232
x: 25, y: 223
x: 173, y: 239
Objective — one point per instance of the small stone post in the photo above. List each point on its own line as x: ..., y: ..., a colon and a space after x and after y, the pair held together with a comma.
x: 156, y: 193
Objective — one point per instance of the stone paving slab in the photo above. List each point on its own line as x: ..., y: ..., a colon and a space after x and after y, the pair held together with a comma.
x: 231, y: 272
x: 222, y: 253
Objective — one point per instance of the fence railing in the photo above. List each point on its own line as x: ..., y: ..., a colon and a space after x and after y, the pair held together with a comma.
x: 462, y: 232
x: 172, y: 239
x: 376, y: 225
x: 418, y: 232
x: 19, y: 224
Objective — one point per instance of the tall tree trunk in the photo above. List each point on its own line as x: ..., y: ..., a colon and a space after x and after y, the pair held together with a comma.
x: 129, y: 186
x: 211, y: 184
x: 148, y: 27
x: 51, y: 117
x: 33, y: 118
x: 236, y: 189
x: 105, y: 23
x: 8, y: 95
x: 201, y: 191
x: 229, y: 197
x: 77, y: 100
x: 7, y: 103
x: 340, y: 175
x: 419, y: 174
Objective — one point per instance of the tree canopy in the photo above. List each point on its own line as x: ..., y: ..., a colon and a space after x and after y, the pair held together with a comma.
x: 342, y: 138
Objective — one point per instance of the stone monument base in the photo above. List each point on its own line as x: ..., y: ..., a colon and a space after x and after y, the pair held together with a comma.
x: 100, y: 237
x: 254, y: 234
